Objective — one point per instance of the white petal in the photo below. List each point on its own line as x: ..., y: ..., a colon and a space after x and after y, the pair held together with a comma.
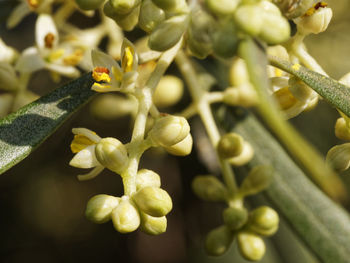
x: 30, y: 61
x: 17, y: 15
x: 44, y: 26
x: 68, y: 71
x: 101, y: 59
x: 95, y: 172
x: 87, y: 133
x: 7, y: 54
x: 85, y: 158
x: 345, y: 79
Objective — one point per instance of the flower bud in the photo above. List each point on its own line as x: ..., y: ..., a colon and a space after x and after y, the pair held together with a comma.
x: 182, y: 148
x: 153, y: 201
x: 125, y: 216
x: 299, y: 89
x: 89, y: 4
x: 230, y: 145
x: 243, y: 95
x: 123, y: 7
x: 342, y: 130
x: 245, y: 157
x: 169, y: 130
x: 218, y: 241
x: 150, y: 16
x: 235, y: 218
x: 127, y: 21
x: 275, y: 29
x: 8, y: 78
x: 168, y: 92
x: 6, y: 100
x: 263, y: 221
x: 315, y: 20
x: 251, y: 246
x: 258, y: 179
x: 238, y: 73
x: 168, y: 33
x: 153, y: 225
x: 99, y: 208
x: 338, y: 157
x: 250, y: 19
x: 222, y: 7
x: 111, y: 153
x: 174, y: 6
x: 146, y: 178
x: 226, y: 40
x: 209, y: 188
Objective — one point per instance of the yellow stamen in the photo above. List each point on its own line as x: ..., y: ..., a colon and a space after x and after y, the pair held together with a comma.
x: 73, y: 59
x: 128, y: 59
x: 296, y: 66
x: 315, y: 7
x: 55, y: 55
x: 117, y: 74
x: 285, y: 98
x: 101, y: 74
x: 80, y: 142
x: 100, y: 87
x: 278, y: 72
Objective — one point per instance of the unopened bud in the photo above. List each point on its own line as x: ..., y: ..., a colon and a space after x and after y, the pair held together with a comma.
x: 209, y: 188
x: 153, y: 201
x: 5, y: 103
x: 230, y: 145
x: 218, y: 241
x: 338, y: 157
x: 99, y: 208
x: 315, y: 20
x: 169, y: 130
x: 243, y: 95
x: 251, y: 246
x: 245, y: 157
x: 146, y: 178
x: 168, y: 33
x: 150, y: 16
x: 111, y: 153
x: 128, y: 21
x: 182, y: 148
x: 263, y: 221
x: 222, y: 7
x: 258, y: 179
x: 235, y: 218
x: 250, y: 19
x: 226, y: 40
x: 342, y: 129
x: 174, y: 6
x: 168, y: 92
x: 153, y: 225
x: 123, y: 7
x: 8, y: 78
x: 89, y: 4
x: 275, y: 29
x: 125, y: 216
x: 238, y: 73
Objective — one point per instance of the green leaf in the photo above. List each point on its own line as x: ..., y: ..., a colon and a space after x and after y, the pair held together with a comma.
x: 321, y: 223
x: 22, y: 131
x: 331, y: 90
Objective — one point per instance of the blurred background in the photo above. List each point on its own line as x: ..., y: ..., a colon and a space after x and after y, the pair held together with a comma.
x: 42, y: 202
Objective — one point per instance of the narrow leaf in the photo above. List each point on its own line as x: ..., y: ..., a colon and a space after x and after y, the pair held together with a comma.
x: 331, y: 90
x: 22, y: 131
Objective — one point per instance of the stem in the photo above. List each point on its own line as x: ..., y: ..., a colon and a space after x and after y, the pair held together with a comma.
x: 199, y: 100
x: 144, y: 97
x: 23, y: 83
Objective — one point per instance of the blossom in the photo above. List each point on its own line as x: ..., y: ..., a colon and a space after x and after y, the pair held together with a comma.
x: 83, y: 145
x: 109, y: 75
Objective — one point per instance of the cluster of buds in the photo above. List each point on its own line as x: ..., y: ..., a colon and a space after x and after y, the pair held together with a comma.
x: 247, y: 227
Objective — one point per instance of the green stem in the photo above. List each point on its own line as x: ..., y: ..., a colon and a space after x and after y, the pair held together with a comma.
x: 203, y: 108
x: 23, y: 83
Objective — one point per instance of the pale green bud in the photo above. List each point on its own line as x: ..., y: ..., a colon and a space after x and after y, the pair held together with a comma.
x: 128, y: 21
x: 111, y: 153
x: 169, y: 130
x: 153, y: 201
x: 251, y: 246
x: 209, y: 188
x: 338, y: 157
x: 238, y: 73
x: 263, y: 221
x: 89, y: 4
x: 168, y: 33
x: 8, y: 78
x: 125, y: 216
x: 182, y: 148
x: 150, y: 16
x: 342, y: 130
x: 222, y: 7
x: 153, y: 225
x: 245, y: 157
x: 258, y: 179
x: 100, y: 207
x: 235, y: 218
x: 293, y: 8
x: 315, y: 22
x: 146, y: 178
x: 226, y: 40
x: 230, y: 145
x: 243, y: 95
x: 168, y: 92
x: 250, y: 19
x: 123, y: 7
x: 275, y: 29
x: 174, y: 6
x: 218, y: 241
